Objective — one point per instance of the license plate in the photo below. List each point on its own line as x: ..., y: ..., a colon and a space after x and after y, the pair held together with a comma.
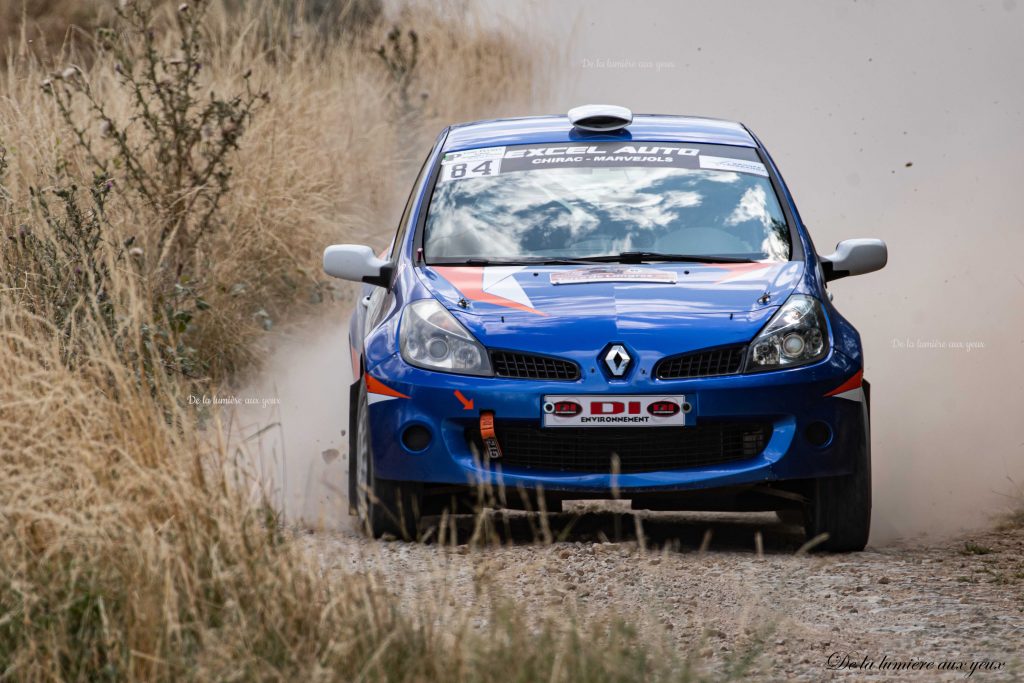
x: 616, y: 411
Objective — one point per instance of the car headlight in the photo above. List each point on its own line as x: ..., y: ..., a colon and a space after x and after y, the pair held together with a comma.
x: 796, y: 335
x: 432, y: 338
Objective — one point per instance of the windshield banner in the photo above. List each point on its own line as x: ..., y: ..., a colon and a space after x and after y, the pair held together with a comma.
x: 489, y: 161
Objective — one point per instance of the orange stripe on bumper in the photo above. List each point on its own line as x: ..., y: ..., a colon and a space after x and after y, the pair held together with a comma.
x: 849, y: 384
x: 375, y: 386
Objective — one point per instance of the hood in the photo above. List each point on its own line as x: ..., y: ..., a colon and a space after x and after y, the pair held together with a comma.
x: 561, y: 310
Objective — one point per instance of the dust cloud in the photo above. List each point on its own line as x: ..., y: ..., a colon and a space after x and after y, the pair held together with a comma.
x: 903, y: 121
x: 295, y: 436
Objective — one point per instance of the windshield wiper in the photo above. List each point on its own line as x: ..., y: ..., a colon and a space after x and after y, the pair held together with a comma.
x: 647, y: 256
x: 623, y: 257
x: 541, y: 261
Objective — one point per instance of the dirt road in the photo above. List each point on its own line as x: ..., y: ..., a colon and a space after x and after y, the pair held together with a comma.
x: 959, y: 601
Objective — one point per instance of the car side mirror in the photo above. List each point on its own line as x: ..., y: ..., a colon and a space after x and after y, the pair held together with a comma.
x: 854, y: 257
x: 357, y: 263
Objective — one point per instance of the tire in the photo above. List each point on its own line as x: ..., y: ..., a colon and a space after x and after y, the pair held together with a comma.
x: 383, y: 507
x: 841, y: 506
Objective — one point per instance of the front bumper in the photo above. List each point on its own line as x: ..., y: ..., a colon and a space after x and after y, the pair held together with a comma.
x: 790, y: 399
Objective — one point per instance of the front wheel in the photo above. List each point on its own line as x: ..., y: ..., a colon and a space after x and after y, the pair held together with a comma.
x: 382, y: 507
x: 841, y: 506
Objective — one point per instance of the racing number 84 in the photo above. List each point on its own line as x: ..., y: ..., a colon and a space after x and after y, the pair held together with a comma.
x: 465, y: 170
x: 483, y: 168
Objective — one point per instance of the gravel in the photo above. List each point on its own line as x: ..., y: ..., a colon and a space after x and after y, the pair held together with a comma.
x: 956, y: 600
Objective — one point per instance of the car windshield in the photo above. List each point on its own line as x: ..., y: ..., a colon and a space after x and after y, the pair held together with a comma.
x: 604, y: 200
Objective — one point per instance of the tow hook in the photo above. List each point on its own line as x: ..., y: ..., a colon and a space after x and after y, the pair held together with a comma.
x: 492, y: 448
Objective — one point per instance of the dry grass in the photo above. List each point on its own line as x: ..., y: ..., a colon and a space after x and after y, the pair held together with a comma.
x: 46, y: 26
x: 126, y: 554
x: 129, y: 548
x: 129, y: 553
x: 328, y: 158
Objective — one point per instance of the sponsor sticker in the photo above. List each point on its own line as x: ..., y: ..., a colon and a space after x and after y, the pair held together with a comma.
x: 613, y: 274
x: 727, y: 164
x: 616, y: 411
x: 473, y: 155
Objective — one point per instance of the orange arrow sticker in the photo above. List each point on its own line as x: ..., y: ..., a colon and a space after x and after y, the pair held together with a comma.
x: 467, y: 403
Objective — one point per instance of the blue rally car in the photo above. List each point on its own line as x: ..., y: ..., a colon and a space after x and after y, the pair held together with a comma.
x: 600, y: 305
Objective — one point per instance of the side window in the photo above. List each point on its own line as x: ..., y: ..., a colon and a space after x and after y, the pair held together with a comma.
x: 403, y: 224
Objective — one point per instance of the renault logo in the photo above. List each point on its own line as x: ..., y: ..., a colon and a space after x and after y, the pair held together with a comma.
x: 617, y: 359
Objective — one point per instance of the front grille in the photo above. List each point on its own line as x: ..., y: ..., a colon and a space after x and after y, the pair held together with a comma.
x: 528, y: 366
x: 708, y: 363
x: 639, y: 449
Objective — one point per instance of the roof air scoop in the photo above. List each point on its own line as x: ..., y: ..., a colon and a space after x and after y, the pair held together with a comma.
x: 600, y: 118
